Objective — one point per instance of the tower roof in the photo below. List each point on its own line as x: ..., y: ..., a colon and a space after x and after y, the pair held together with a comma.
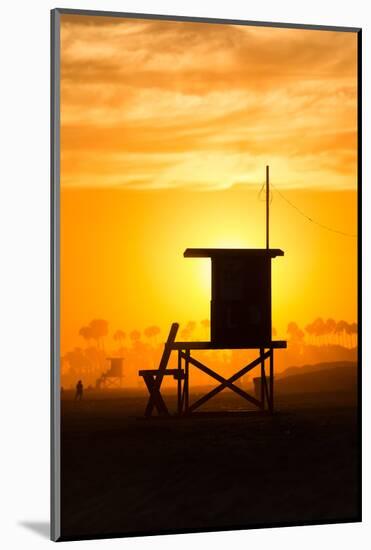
x: 232, y: 252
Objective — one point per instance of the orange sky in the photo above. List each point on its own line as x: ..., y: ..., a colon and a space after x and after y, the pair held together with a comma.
x: 166, y: 128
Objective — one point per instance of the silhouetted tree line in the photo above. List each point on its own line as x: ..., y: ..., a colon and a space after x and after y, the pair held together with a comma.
x: 96, y: 330
x: 325, y: 333
x: 319, y: 341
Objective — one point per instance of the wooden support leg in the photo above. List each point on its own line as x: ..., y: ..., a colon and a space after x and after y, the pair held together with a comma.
x: 186, y: 382
x: 262, y: 380
x: 155, y: 396
x: 179, y: 382
x: 271, y: 382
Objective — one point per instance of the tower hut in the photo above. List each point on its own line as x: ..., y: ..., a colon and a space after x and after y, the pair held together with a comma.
x: 241, y: 309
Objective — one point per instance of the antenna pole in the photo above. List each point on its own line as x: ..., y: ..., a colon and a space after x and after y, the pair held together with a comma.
x: 267, y: 204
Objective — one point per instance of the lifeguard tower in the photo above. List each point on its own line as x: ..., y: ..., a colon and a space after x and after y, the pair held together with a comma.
x: 240, y: 318
x: 112, y: 378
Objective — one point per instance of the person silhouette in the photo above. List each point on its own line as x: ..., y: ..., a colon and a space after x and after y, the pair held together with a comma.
x: 79, y: 390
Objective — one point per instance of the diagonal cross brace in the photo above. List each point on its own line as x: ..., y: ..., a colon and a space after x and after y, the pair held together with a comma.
x: 225, y: 383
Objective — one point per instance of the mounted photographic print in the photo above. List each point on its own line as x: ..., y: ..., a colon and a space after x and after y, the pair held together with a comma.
x: 205, y: 274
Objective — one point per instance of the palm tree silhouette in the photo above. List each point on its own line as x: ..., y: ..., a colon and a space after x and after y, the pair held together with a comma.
x: 341, y: 328
x: 330, y: 327
x: 295, y: 333
x: 119, y: 336
x: 310, y: 330
x: 99, y: 329
x: 152, y: 331
x: 135, y: 336
x: 354, y: 332
x: 86, y: 333
x: 205, y: 323
x: 319, y: 329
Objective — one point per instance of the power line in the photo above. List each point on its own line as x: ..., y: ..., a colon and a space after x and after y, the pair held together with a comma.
x: 310, y: 219
x: 261, y: 192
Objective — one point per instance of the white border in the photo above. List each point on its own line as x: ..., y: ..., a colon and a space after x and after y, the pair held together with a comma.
x: 24, y: 219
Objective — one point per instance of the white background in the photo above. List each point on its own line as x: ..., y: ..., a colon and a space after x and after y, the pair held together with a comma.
x: 24, y: 271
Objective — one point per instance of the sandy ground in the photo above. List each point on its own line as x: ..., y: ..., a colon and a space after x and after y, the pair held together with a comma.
x: 123, y: 474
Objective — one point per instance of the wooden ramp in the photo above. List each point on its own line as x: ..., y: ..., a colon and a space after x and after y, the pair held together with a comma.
x: 153, y: 377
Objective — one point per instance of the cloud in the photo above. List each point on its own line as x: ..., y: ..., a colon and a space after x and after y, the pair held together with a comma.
x: 200, y: 104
